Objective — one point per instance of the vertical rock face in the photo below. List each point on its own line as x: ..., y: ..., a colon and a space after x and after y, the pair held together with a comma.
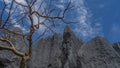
x: 46, y: 53
x: 68, y: 35
x: 56, y: 51
x: 7, y: 58
x: 116, y: 46
x: 65, y: 51
x: 70, y: 47
x: 98, y: 53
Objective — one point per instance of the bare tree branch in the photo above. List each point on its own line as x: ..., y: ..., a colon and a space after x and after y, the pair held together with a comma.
x: 7, y: 41
x: 28, y: 13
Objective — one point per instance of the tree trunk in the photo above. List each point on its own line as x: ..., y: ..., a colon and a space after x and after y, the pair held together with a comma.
x: 23, y: 61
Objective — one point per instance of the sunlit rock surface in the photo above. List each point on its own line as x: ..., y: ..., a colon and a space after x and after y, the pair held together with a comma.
x: 65, y: 51
x: 98, y: 53
x: 56, y: 51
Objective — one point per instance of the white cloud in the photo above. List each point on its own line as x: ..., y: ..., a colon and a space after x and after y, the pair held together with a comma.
x: 20, y: 10
x: 84, y: 27
x: 22, y: 28
x: 8, y: 1
x: 19, y: 1
x: 17, y: 26
x: 60, y: 6
x: 36, y: 21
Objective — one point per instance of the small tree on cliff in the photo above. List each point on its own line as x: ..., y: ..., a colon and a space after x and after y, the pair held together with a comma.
x: 29, y: 15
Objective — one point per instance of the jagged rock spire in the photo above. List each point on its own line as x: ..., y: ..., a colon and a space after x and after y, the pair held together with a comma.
x: 67, y: 28
x: 67, y: 34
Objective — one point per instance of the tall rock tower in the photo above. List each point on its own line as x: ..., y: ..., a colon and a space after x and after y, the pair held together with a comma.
x: 65, y: 51
x: 57, y: 51
x: 70, y: 46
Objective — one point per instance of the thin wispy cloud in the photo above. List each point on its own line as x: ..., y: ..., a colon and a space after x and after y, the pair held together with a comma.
x: 19, y: 12
x: 81, y: 14
x: 7, y: 1
x: 60, y: 6
x: 85, y: 28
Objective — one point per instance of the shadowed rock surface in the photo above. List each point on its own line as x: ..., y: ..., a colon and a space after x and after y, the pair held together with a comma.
x: 7, y: 58
x: 66, y: 51
x: 116, y: 46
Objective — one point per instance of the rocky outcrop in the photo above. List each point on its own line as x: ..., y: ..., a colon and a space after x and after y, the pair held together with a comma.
x: 116, y: 46
x: 56, y: 51
x: 46, y: 53
x: 65, y: 51
x: 98, y: 53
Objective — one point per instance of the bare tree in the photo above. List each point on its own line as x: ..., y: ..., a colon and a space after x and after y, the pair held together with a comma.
x: 45, y: 14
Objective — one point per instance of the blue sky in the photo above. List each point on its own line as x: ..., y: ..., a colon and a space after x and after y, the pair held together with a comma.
x: 107, y: 12
x: 92, y: 17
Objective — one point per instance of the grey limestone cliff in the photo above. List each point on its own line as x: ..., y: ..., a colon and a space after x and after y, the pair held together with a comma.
x: 7, y: 58
x: 65, y: 51
x: 116, y: 46
x: 98, y: 53
x: 56, y: 51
